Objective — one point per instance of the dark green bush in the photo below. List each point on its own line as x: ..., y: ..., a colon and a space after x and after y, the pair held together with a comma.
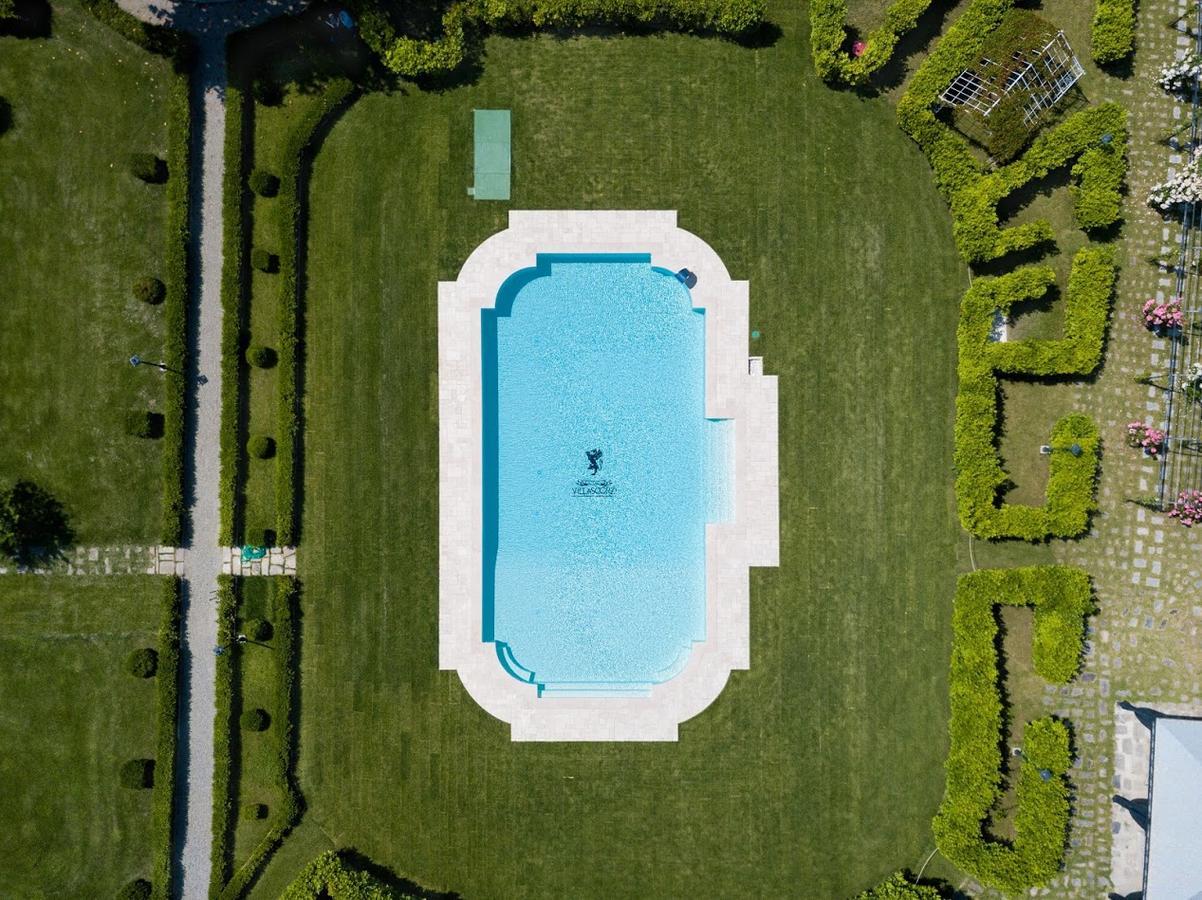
x: 137, y: 774
x: 258, y: 629
x: 268, y: 92
x: 138, y: 889
x: 254, y: 811
x: 828, y: 35
x: 33, y: 523
x: 142, y: 423
x: 264, y: 261
x: 979, y: 474
x: 899, y: 887
x: 1061, y: 598
x: 254, y: 720
x: 8, y: 9
x: 261, y: 537
x: 260, y: 446
x: 264, y: 183
x: 150, y: 290
x: 261, y: 357
x: 148, y: 168
x: 1113, y: 36
x: 142, y: 663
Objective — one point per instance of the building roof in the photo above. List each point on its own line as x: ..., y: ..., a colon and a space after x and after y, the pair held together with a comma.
x: 1173, y: 861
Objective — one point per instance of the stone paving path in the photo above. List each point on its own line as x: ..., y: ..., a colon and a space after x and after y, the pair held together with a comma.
x: 118, y: 560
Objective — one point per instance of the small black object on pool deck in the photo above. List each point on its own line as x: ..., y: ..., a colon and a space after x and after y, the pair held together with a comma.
x: 687, y: 278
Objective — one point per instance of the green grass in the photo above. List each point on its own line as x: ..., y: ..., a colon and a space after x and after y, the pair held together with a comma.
x: 69, y: 717
x: 819, y: 200
x: 78, y: 229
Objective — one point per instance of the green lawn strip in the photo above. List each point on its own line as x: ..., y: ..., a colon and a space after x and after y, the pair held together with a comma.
x: 82, y: 101
x: 1061, y: 599
x: 254, y: 767
x: 826, y: 730
x: 73, y: 714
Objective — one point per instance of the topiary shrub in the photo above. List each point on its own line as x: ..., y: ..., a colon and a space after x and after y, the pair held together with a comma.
x: 138, y: 889
x: 148, y: 168
x: 150, y: 290
x: 142, y: 663
x: 260, y: 446
x: 255, y: 720
x: 264, y: 183
x: 267, y: 92
x: 260, y: 357
x: 137, y: 774
x: 142, y: 423
x: 254, y: 811
x: 260, y: 537
x: 258, y: 630
x: 264, y: 261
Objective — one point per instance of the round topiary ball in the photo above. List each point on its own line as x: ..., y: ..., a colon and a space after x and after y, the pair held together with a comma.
x: 147, y: 167
x: 258, y: 630
x: 254, y: 811
x: 150, y: 290
x: 263, y: 260
x: 260, y: 446
x: 142, y: 663
x: 255, y: 720
x: 260, y: 357
x: 138, y: 774
x: 264, y: 183
x: 138, y: 889
x: 268, y: 92
x: 260, y: 537
x: 142, y: 423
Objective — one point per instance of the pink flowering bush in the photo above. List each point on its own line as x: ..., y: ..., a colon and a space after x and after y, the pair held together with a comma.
x: 1163, y: 316
x: 1146, y: 438
x: 1188, y: 508
x: 858, y: 48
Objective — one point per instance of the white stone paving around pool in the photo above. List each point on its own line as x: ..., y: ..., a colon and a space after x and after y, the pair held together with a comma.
x: 734, y: 390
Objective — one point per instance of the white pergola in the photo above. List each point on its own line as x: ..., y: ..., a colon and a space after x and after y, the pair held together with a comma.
x: 1045, y: 72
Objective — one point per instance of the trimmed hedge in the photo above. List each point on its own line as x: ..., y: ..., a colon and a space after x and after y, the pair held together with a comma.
x: 149, y: 289
x: 142, y: 663
x: 263, y: 183
x: 285, y: 613
x: 465, y: 20
x: 147, y: 167
x: 898, y: 887
x: 142, y: 423
x: 254, y: 720
x: 233, y: 312
x: 1061, y: 598
x: 828, y: 34
x: 332, y: 875
x: 137, y: 774
x: 167, y: 686
x: 295, y: 156
x: 1112, y: 37
x: 260, y: 357
x: 260, y: 446
x: 979, y: 474
x: 138, y: 889
x: 223, y: 728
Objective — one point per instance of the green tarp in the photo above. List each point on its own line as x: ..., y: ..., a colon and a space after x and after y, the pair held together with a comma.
x: 492, y: 155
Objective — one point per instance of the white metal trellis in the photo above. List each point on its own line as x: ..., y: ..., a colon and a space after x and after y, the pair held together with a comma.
x: 1045, y: 73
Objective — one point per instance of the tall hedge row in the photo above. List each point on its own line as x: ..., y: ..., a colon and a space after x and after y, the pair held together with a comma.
x: 332, y: 875
x: 828, y: 34
x: 979, y: 474
x: 295, y: 157
x: 223, y: 731
x: 233, y: 281
x: 1061, y: 599
x: 1112, y: 37
x: 286, y: 813
x: 167, y: 687
x: 464, y: 22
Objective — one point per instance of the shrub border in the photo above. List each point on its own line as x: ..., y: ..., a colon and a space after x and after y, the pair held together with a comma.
x: 224, y: 727
x: 979, y: 474
x: 1112, y: 33
x: 1062, y: 599
x: 828, y: 33
x: 167, y: 689
x: 334, y: 875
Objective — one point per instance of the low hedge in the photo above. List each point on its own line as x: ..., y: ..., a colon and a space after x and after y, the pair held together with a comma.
x: 898, y: 887
x: 155, y: 38
x: 142, y: 663
x: 234, y: 244
x: 334, y: 876
x: 295, y: 156
x: 285, y: 614
x: 1061, y: 598
x: 979, y: 474
x: 223, y: 730
x: 828, y: 34
x: 465, y: 20
x: 167, y: 687
x: 1112, y: 37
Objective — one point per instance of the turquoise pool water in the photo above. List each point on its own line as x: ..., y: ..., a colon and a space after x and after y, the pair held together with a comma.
x: 600, y: 472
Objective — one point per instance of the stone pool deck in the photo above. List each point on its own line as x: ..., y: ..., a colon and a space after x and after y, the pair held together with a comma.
x: 734, y: 390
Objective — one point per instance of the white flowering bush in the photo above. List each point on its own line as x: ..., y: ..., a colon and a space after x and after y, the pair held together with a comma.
x: 1184, y: 187
x: 1179, y: 75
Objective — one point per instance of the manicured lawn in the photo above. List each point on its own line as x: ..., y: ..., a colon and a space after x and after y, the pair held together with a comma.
x: 71, y: 715
x: 816, y: 772
x: 78, y: 230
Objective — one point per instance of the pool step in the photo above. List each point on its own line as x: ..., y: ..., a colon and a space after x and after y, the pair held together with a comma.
x: 595, y: 689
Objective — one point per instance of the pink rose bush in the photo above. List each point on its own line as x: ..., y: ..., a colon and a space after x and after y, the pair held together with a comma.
x: 1160, y: 316
x: 1146, y: 438
x: 1188, y: 508
x: 858, y: 48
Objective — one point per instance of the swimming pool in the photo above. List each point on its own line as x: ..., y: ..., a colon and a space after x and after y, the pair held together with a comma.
x: 600, y: 473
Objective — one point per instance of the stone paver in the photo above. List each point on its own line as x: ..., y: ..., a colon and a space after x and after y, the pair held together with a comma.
x: 278, y: 561
x: 123, y: 559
